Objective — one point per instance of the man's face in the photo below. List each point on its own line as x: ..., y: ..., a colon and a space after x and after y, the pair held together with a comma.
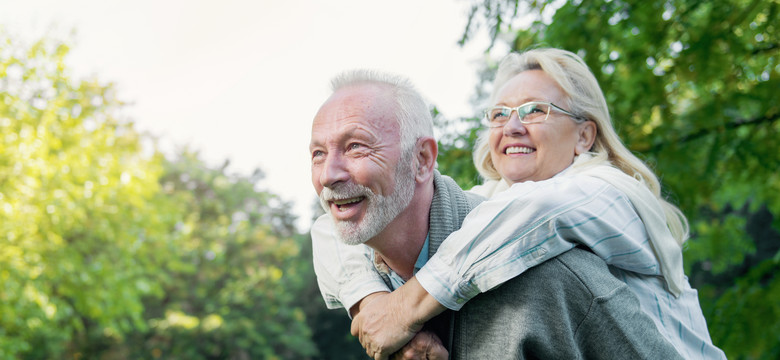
x: 357, y: 166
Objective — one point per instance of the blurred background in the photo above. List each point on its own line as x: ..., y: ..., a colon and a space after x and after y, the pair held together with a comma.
x: 155, y: 197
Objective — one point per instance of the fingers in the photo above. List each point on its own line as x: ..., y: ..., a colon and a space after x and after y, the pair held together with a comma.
x: 424, y: 345
x: 373, y: 351
x: 437, y: 352
x: 434, y: 349
x: 409, y: 353
x: 354, y: 328
x: 376, y: 355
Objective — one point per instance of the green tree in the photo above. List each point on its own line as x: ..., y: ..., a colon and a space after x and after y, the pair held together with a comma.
x: 109, y: 253
x: 233, y: 290
x: 693, y: 89
x: 74, y: 207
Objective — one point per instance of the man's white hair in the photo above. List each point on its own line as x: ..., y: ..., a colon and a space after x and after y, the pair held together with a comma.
x: 412, y: 112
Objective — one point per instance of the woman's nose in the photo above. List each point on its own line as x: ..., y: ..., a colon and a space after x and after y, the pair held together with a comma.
x: 514, y: 127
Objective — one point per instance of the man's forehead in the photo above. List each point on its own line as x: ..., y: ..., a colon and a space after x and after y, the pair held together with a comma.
x: 357, y: 106
x: 362, y: 95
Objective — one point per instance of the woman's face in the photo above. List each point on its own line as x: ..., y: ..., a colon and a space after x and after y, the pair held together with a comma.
x: 523, y: 152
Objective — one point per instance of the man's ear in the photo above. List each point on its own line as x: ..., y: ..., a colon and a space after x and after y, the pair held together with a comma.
x: 426, y: 151
x: 586, y: 133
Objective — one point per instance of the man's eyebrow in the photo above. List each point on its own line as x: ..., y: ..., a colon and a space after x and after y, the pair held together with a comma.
x: 314, y: 143
x: 354, y: 132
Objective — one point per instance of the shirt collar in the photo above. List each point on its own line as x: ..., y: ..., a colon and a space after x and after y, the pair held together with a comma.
x: 395, y: 279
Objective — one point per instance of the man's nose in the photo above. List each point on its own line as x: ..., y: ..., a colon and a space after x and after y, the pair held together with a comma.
x: 334, y: 171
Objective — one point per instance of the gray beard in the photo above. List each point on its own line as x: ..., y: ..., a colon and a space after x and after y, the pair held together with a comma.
x: 380, y: 211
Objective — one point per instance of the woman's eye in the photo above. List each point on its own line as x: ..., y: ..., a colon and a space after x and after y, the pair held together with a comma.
x: 316, y: 154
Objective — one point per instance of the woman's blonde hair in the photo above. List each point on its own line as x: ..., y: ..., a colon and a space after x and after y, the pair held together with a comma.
x: 584, y: 98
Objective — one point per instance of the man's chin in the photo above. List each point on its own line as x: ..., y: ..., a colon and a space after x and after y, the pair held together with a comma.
x: 351, y: 240
x: 352, y: 233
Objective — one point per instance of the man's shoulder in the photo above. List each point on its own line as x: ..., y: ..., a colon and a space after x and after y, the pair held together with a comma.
x: 449, y: 185
x: 578, y: 273
x: 590, y: 271
x: 473, y: 199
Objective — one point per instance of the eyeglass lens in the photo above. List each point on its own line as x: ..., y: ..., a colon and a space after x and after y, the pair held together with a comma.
x: 528, y: 114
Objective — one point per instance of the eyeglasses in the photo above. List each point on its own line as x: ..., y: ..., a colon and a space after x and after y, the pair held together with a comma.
x: 533, y: 112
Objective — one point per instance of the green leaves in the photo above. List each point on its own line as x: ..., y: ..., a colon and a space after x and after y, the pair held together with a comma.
x: 74, y: 191
x: 107, y: 252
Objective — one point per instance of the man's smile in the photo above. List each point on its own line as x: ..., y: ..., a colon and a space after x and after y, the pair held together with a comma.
x: 344, y: 204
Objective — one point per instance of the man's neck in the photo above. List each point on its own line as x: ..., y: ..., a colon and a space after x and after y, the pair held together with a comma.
x: 399, y: 244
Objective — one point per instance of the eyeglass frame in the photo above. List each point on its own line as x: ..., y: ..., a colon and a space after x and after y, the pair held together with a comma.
x: 550, y: 105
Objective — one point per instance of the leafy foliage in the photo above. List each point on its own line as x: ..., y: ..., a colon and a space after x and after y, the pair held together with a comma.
x: 74, y: 195
x: 232, y: 286
x: 455, y: 144
x: 109, y: 253
x: 692, y: 87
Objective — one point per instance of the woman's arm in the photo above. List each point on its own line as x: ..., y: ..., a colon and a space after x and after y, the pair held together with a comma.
x: 345, y: 274
x: 533, y: 222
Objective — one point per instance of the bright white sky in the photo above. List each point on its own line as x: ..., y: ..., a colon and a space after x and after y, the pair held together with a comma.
x: 243, y: 79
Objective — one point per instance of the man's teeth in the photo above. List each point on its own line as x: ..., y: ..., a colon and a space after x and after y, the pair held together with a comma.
x: 347, y: 201
x: 519, y: 150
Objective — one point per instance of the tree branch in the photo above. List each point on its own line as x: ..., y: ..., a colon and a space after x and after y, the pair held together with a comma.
x: 765, y: 49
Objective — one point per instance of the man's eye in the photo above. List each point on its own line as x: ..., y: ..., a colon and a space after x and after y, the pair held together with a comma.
x: 316, y: 153
x: 355, y: 146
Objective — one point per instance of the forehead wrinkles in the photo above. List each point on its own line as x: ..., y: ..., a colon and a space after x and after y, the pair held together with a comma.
x: 362, y: 110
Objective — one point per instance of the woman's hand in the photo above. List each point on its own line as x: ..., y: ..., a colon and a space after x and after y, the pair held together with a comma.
x: 381, y: 327
x: 386, y: 322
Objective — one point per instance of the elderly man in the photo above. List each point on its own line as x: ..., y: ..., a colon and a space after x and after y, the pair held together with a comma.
x: 373, y: 166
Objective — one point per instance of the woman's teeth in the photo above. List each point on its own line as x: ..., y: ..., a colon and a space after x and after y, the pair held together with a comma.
x: 519, y: 150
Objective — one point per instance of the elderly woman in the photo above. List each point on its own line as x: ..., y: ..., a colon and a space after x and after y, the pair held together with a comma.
x: 558, y: 177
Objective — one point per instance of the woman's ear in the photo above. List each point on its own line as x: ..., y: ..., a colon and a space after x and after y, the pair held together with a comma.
x: 426, y: 151
x: 586, y: 132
